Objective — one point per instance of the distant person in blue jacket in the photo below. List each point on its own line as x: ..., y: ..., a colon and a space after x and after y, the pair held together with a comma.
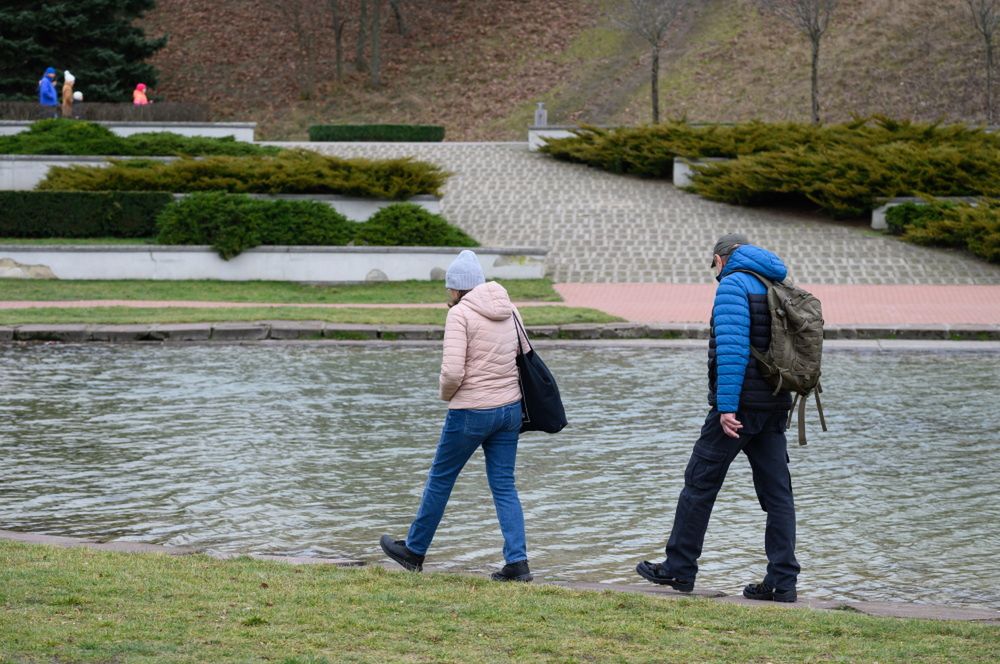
x: 47, y: 97
x: 746, y: 415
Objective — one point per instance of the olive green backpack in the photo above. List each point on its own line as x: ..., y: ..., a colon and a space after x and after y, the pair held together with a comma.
x: 792, y: 361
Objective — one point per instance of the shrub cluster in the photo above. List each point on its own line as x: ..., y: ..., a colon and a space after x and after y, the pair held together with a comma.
x: 844, y: 169
x: 75, y: 137
x: 71, y: 214
x: 409, y: 225
x: 948, y: 224
x: 288, y: 172
x: 380, y: 132
x: 233, y: 224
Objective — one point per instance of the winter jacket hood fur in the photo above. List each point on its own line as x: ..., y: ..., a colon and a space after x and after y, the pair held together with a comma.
x: 478, y: 368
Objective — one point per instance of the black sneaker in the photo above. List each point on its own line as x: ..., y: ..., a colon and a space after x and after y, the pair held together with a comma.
x: 657, y: 573
x: 513, y: 572
x: 762, y: 591
x: 396, y: 549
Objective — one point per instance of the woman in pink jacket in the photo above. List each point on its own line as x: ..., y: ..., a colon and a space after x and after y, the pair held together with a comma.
x: 479, y: 380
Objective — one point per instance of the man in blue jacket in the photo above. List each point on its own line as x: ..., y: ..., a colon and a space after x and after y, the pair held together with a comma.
x: 47, y: 93
x: 746, y: 416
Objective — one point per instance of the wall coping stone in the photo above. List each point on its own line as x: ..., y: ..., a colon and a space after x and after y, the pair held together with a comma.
x: 276, y: 249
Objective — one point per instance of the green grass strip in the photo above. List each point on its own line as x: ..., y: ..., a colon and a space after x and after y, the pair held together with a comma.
x: 544, y: 315
x: 82, y: 605
x: 278, y: 292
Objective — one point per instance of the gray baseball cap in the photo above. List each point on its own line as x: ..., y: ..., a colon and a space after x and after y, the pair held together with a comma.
x: 727, y: 243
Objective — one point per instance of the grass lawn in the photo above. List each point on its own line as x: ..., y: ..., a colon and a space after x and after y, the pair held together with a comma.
x: 283, y: 292
x: 542, y: 315
x: 91, y: 606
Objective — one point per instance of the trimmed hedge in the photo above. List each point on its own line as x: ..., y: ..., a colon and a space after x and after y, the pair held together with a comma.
x: 233, y: 224
x: 70, y: 214
x: 844, y: 169
x: 288, y: 172
x: 406, y: 224
x: 381, y: 132
x: 76, y: 137
x: 975, y: 228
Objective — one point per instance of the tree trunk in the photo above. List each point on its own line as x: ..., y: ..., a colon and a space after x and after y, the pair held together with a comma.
x: 359, y: 51
x: 655, y: 84
x: 990, y: 117
x: 398, y: 13
x: 376, y: 65
x: 815, y: 79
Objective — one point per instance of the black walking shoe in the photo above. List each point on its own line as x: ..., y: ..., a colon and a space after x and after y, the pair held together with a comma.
x: 396, y: 549
x: 656, y: 573
x: 513, y: 572
x: 765, y: 592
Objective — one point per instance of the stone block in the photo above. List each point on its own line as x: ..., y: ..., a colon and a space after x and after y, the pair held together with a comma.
x: 350, y: 331
x: 180, y: 332
x: 411, y: 332
x: 239, y: 331
x: 6, y: 334
x: 580, y: 331
x: 974, y: 332
x: 624, y: 331
x: 306, y: 329
x: 120, y: 333
x: 53, y: 332
x: 542, y: 331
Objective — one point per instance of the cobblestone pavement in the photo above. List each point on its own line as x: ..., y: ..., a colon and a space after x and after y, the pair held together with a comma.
x: 603, y: 228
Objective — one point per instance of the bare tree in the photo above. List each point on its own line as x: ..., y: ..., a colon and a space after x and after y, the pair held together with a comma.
x: 376, y: 27
x: 299, y: 17
x: 651, y: 21
x: 359, y: 49
x: 986, y: 16
x: 339, y: 19
x: 813, y: 18
x: 397, y: 11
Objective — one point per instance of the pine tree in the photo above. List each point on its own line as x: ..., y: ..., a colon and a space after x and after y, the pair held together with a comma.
x: 95, y: 39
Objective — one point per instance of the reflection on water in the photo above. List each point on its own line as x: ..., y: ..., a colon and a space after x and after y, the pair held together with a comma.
x: 316, y: 450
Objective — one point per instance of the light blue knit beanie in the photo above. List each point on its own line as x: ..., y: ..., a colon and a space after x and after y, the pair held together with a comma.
x: 465, y: 272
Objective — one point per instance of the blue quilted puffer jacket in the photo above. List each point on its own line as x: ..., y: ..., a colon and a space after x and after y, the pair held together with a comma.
x: 740, y: 317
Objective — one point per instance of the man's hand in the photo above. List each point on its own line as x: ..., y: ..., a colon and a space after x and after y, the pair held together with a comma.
x: 730, y: 425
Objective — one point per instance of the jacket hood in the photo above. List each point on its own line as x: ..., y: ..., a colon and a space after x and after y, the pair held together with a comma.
x: 755, y: 259
x: 489, y: 300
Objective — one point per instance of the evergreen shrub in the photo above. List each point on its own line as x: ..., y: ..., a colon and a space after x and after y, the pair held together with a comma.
x: 76, y: 137
x: 406, y: 224
x: 233, y: 224
x: 73, y: 214
x: 379, y: 132
x: 975, y: 228
x: 288, y: 172
x: 845, y: 169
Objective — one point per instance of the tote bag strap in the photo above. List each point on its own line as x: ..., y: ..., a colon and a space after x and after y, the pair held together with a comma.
x: 519, y: 330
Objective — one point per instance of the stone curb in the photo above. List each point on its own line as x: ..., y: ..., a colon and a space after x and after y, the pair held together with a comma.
x: 306, y: 330
x: 877, y: 609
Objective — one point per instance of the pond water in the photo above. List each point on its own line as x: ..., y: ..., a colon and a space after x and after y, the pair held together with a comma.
x: 317, y: 450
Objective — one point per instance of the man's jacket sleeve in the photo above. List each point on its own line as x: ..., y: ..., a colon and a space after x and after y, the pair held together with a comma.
x: 731, y: 313
x: 46, y: 93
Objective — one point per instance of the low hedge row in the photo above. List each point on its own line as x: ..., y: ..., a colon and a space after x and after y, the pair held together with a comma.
x: 233, y: 224
x: 72, y: 214
x: 844, y: 169
x: 76, y: 137
x: 379, y: 132
x: 975, y: 228
x: 288, y: 172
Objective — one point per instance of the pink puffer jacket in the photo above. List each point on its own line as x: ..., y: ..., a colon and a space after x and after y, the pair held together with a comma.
x: 478, y: 369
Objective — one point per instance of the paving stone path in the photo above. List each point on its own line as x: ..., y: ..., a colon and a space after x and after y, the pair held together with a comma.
x: 608, y: 228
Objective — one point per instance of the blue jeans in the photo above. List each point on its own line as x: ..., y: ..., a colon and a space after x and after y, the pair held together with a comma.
x: 762, y: 439
x: 496, y: 429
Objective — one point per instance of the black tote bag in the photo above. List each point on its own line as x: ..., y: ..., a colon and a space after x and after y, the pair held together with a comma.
x: 541, y: 406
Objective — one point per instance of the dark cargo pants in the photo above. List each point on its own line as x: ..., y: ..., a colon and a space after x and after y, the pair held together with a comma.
x: 762, y: 439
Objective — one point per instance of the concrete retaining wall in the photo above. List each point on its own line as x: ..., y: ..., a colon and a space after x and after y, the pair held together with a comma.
x: 537, y: 134
x: 24, y: 172
x: 683, y: 169
x: 241, y: 131
x: 306, y: 264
